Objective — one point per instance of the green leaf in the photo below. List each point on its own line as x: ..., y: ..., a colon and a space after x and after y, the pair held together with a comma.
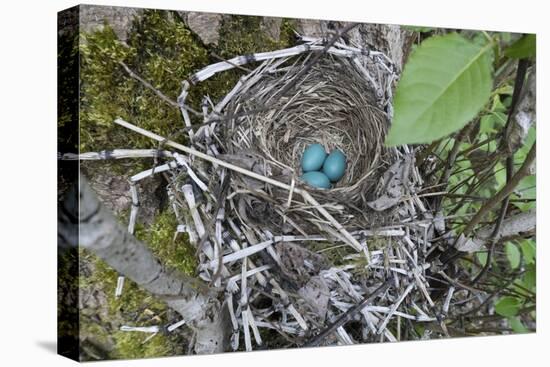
x: 507, y: 306
x: 529, y: 140
x: 522, y: 153
x: 528, y: 248
x: 523, y: 48
x: 530, y: 277
x: 517, y: 325
x: 513, y: 254
x: 504, y: 36
x: 526, y: 189
x: 506, y: 89
x: 491, y: 122
x: 445, y: 83
x: 497, y: 105
x: 500, y: 175
x: 527, y: 186
x: 482, y: 258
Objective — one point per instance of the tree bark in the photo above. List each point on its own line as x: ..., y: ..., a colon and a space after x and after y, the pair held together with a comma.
x: 393, y: 40
x: 519, y: 225
x: 523, y: 116
x: 99, y: 232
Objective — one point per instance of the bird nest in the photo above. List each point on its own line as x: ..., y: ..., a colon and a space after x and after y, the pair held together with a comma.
x: 236, y: 191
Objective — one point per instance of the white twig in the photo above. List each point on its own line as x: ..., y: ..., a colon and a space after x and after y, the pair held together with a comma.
x: 119, y: 286
x: 143, y: 329
x: 117, y: 154
x: 394, y: 308
x: 175, y: 325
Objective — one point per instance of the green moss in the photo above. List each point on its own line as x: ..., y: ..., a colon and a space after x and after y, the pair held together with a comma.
x: 133, y: 345
x: 134, y: 307
x: 163, y: 52
x: 241, y: 35
x: 173, y: 251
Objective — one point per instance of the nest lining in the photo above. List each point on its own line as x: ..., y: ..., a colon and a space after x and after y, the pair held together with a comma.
x: 331, y: 108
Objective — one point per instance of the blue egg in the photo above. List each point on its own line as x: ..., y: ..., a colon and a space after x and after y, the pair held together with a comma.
x: 335, y: 165
x: 313, y: 158
x: 316, y: 179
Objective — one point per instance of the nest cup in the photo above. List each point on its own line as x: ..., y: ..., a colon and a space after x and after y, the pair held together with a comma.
x: 342, y: 101
x: 333, y: 104
x: 333, y: 108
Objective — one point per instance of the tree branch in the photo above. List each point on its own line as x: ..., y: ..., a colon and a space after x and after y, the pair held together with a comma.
x: 503, y: 193
x: 496, y: 232
x: 99, y: 232
x: 523, y: 113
